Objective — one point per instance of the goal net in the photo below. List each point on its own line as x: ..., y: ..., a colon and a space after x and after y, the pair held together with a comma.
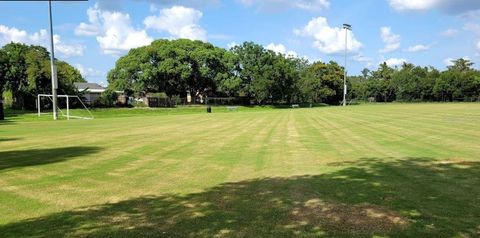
x: 69, y: 106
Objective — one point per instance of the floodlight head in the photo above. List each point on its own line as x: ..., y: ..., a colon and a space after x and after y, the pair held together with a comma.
x: 347, y: 26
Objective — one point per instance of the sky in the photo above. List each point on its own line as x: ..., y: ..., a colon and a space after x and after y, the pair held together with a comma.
x: 92, y: 35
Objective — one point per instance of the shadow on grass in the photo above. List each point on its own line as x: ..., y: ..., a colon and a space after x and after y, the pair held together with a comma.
x: 7, y: 121
x: 24, y: 158
x: 8, y: 139
x: 16, y: 112
x: 410, y: 197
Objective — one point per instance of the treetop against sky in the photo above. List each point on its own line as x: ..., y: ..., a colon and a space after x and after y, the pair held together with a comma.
x: 93, y: 35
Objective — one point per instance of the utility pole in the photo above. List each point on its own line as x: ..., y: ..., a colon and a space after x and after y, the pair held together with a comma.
x: 347, y: 27
x: 53, y: 67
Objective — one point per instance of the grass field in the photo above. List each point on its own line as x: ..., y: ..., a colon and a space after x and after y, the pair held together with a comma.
x: 399, y: 170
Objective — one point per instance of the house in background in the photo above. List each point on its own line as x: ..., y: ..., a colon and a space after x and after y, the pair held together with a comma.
x: 91, y: 91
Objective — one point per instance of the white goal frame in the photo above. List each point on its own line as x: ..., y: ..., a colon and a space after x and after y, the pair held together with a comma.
x: 67, y: 115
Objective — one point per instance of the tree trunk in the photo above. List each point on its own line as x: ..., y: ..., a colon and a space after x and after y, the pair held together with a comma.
x: 2, y: 116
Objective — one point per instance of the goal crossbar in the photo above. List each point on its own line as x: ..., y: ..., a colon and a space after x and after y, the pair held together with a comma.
x: 67, y: 115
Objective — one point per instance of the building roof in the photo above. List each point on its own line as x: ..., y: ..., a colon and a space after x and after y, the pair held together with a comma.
x: 90, y: 86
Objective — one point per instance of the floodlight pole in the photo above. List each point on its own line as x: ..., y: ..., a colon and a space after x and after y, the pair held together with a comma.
x: 53, y: 68
x: 347, y: 27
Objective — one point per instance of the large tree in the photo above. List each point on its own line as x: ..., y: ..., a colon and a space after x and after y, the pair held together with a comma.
x: 414, y: 83
x: 321, y: 82
x: 173, y: 67
x: 28, y: 74
x: 256, y: 70
x: 3, y: 79
x: 460, y: 82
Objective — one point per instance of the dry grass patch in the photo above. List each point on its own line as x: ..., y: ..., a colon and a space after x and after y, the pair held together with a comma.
x: 347, y: 219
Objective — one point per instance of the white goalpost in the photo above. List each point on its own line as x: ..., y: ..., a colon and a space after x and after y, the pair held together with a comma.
x: 68, y: 114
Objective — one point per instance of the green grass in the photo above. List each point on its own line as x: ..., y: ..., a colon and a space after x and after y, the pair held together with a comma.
x: 398, y: 170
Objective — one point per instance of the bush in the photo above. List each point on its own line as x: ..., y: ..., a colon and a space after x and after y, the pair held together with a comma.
x: 108, y: 99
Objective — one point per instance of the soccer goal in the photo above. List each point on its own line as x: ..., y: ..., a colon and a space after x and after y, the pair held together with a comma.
x: 67, y: 102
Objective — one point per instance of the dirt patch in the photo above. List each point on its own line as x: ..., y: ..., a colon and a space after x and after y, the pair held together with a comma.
x: 346, y: 219
x: 342, y: 163
x: 458, y: 162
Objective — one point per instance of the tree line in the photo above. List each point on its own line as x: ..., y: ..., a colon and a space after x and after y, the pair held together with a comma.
x: 175, y: 67
x: 178, y: 67
x: 25, y: 72
x: 408, y: 83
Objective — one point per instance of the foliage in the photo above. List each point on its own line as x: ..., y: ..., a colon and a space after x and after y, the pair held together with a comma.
x: 173, y: 67
x: 460, y: 82
x: 4, y: 66
x: 249, y: 70
x: 108, y: 98
x: 180, y: 66
x: 322, y: 82
x: 3, y: 80
x: 28, y: 74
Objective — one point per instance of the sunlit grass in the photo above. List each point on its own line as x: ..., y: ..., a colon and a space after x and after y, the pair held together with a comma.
x: 389, y: 170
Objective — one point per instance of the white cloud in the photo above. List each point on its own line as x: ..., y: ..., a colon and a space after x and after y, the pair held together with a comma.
x: 113, y: 30
x: 471, y: 14
x: 473, y: 27
x: 328, y: 40
x: 449, y: 61
x: 281, y: 49
x: 269, y: 5
x: 118, y: 5
x: 391, y: 40
x: 313, y: 59
x: 405, y: 5
x: 450, y: 32
x: 394, y: 62
x: 418, y: 48
x: 367, y: 61
x: 478, y: 45
x: 448, y: 6
x: 85, y: 29
x: 231, y: 44
x: 88, y: 72
x: 12, y: 34
x: 178, y: 21
x: 362, y: 58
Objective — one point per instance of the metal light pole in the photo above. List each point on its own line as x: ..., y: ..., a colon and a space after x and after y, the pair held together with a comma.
x: 53, y: 67
x: 347, y: 28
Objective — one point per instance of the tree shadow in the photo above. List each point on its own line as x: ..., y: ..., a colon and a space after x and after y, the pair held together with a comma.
x: 9, y: 112
x: 410, y: 197
x: 8, y: 139
x: 7, y: 121
x: 25, y: 158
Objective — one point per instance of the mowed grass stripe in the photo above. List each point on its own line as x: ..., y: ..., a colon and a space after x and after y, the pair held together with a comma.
x: 338, y: 135
x: 403, y: 140
x: 419, y: 134
x: 400, y: 158
x: 208, y: 156
x: 348, y: 131
x: 96, y: 173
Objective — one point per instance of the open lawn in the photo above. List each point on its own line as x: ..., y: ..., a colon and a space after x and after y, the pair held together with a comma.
x: 399, y: 170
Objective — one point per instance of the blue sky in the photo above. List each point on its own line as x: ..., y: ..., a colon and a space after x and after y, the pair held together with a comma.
x: 93, y: 35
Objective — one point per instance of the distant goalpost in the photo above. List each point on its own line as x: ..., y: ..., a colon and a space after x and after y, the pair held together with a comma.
x: 67, y: 114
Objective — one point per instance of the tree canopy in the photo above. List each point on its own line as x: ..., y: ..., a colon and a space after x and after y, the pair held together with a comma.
x: 173, y: 67
x: 25, y: 72
x: 250, y: 70
x: 460, y: 82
